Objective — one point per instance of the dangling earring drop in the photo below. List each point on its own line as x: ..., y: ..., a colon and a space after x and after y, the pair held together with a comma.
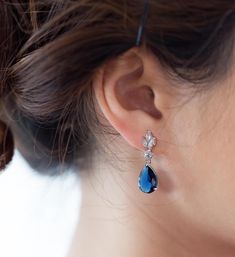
x: 148, y: 180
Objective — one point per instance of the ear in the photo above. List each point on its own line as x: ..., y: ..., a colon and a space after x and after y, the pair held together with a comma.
x: 129, y: 92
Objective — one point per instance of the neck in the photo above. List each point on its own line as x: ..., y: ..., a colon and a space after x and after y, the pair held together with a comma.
x: 118, y: 220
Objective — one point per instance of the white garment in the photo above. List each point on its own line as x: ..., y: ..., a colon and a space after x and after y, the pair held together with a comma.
x: 38, y: 214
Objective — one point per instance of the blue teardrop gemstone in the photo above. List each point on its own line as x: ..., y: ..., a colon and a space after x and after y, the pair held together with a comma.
x: 148, y: 180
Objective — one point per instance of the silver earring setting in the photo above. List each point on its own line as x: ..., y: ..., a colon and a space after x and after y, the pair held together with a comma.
x: 148, y: 179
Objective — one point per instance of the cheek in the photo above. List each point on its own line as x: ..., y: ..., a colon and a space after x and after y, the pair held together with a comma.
x: 205, y: 152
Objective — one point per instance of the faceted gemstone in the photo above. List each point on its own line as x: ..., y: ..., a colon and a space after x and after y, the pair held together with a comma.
x: 149, y: 141
x: 149, y: 135
x: 148, y: 180
x: 148, y: 155
x: 145, y: 143
x: 152, y: 143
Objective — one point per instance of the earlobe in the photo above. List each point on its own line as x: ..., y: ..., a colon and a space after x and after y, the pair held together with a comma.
x: 125, y: 99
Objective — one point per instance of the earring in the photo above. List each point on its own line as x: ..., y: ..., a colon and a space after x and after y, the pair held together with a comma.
x: 148, y: 180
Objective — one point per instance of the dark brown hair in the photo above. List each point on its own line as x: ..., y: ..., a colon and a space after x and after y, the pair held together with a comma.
x: 51, y: 49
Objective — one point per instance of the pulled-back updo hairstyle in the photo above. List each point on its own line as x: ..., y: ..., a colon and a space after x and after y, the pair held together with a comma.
x: 50, y: 50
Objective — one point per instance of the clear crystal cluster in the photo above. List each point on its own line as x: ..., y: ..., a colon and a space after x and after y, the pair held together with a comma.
x: 149, y: 141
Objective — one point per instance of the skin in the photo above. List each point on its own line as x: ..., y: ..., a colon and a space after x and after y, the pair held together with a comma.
x: 192, y: 213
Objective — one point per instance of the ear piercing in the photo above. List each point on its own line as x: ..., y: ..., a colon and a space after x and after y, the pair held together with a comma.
x: 148, y: 179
